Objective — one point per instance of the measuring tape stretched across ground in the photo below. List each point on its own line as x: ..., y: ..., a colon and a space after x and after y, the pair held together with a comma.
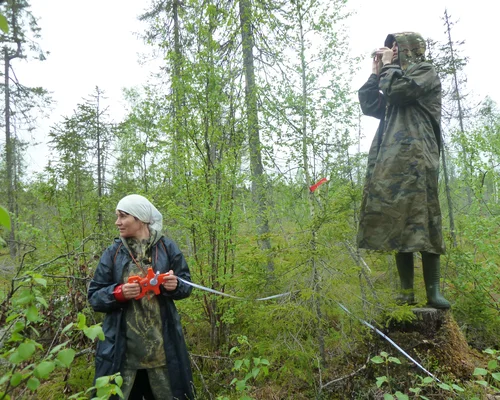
x: 230, y: 295
x: 276, y: 296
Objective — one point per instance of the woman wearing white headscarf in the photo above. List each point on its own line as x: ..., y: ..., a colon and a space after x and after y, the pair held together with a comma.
x: 143, y: 338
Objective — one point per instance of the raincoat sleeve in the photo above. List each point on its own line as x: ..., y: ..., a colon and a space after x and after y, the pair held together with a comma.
x: 179, y: 265
x: 102, y: 286
x: 405, y: 88
x: 371, y: 100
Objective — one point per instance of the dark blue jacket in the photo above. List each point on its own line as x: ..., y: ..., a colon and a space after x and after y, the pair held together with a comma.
x: 111, y: 352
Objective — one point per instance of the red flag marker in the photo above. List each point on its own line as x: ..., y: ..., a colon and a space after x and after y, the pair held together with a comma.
x: 317, y: 184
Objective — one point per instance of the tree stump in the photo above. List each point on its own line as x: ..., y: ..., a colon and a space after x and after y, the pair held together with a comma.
x: 435, y: 338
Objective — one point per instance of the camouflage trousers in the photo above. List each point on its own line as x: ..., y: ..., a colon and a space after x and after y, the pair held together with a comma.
x: 158, y: 381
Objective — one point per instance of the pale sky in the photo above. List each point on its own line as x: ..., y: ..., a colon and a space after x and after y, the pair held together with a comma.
x: 93, y: 43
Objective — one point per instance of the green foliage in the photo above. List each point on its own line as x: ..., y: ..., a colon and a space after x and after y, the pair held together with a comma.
x: 489, y: 377
x: 4, y: 25
x: 105, y: 387
x: 28, y: 362
x: 4, y: 218
x: 248, y: 368
x: 422, y: 387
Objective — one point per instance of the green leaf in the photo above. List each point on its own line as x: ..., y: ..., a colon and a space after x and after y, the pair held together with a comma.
x: 78, y: 395
x: 32, y: 313
x: 496, y: 376
x: 234, y: 380
x: 246, y: 361
x: 4, y: 378
x: 394, y: 360
x: 42, y: 301
x: 67, y: 327
x: 26, y: 350
x: 480, y: 371
x: 57, y: 348
x: 401, y: 396
x: 256, y: 361
x: 4, y: 214
x: 237, y: 365
x: 25, y: 297
x: 263, y: 361
x: 22, y: 353
x: 384, y: 354
x: 43, y: 370
x: 16, y: 379
x: 81, y: 321
x: 492, y: 365
x: 104, y: 392
x: 4, y: 396
x: 255, y: 372
x: 119, y: 392
x: 388, y: 396
x: 18, y: 326
x: 66, y: 356
x: 428, y: 380
x: 94, y: 331
x: 482, y: 383
x: 41, y: 281
x: 11, y: 317
x: 33, y: 383
x: 233, y: 349
x: 241, y: 385
x: 119, y: 380
x: 444, y: 386
x: 381, y: 380
x: 457, y: 388
x: 102, y: 381
x: 16, y: 337
x: 377, y: 360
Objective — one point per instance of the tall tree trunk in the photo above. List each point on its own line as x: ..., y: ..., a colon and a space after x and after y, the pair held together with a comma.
x: 178, y: 101
x: 100, y: 175
x: 451, y: 216
x: 9, y: 155
x: 257, y: 170
x: 457, y: 95
x: 305, y: 161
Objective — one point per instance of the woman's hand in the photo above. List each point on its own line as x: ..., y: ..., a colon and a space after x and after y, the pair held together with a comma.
x: 131, y: 290
x: 170, y: 281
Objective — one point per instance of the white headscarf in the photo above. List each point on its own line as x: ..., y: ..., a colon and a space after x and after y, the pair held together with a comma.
x: 141, y: 208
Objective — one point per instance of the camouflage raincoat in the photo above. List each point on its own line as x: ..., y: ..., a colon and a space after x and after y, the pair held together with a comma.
x: 400, y: 208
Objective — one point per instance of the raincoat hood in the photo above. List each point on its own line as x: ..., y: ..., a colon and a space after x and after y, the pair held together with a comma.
x: 411, y: 48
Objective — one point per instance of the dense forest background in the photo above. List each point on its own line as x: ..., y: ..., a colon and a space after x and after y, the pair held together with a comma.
x: 249, y: 109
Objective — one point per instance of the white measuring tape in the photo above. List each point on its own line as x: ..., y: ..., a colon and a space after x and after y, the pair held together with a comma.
x: 230, y: 295
x: 392, y: 342
x: 383, y: 335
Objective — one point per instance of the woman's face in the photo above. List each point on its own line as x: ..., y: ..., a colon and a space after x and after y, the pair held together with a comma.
x: 128, y: 225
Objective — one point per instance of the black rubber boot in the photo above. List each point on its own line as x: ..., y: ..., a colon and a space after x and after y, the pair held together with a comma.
x: 404, y: 262
x: 432, y: 275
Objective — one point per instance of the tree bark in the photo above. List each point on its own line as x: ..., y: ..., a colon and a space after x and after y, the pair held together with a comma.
x: 9, y: 155
x: 312, y: 212
x: 257, y: 170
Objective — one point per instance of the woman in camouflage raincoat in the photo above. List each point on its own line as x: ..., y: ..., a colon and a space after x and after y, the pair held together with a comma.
x: 143, y: 337
x: 400, y: 208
